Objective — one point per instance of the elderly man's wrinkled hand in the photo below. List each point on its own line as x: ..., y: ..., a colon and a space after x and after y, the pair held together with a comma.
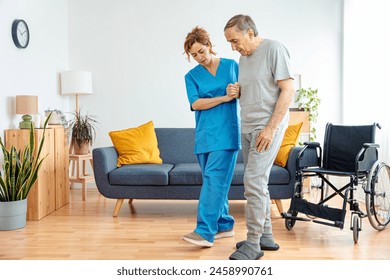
x: 264, y: 139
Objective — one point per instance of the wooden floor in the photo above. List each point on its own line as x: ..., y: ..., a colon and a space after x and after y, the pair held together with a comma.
x: 152, y: 230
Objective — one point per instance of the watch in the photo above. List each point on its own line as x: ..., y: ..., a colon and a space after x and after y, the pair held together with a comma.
x: 20, y: 33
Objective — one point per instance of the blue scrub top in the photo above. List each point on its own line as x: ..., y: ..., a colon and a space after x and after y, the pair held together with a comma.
x: 217, y: 128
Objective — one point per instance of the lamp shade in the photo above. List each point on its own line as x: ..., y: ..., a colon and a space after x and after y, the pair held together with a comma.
x: 76, y: 83
x: 26, y: 104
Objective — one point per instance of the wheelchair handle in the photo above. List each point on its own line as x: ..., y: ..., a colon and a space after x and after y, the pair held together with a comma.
x: 378, y: 125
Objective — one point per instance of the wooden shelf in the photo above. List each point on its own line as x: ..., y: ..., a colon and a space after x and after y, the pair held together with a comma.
x: 297, y: 116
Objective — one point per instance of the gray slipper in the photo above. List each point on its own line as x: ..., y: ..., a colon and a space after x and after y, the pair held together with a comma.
x: 264, y: 247
x: 246, y: 252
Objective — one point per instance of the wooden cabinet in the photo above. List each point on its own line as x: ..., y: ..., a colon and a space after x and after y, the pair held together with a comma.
x: 297, y: 116
x: 61, y: 164
x: 51, y: 190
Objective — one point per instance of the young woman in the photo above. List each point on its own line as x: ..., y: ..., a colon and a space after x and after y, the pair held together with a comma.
x: 217, y: 133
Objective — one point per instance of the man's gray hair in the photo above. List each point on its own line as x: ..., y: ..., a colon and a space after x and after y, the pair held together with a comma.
x: 243, y: 23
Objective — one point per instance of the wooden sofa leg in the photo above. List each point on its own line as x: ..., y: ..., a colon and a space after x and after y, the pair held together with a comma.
x: 130, y: 200
x: 278, y: 203
x: 118, y: 206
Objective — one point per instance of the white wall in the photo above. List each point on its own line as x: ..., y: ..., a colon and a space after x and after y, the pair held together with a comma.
x: 32, y: 71
x: 366, y: 69
x: 134, y: 50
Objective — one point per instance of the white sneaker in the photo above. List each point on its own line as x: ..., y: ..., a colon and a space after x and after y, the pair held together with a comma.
x: 224, y: 234
x: 196, y: 239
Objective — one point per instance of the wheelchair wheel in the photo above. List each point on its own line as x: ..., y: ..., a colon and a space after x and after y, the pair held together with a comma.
x: 355, y: 228
x: 289, y: 223
x: 378, y: 195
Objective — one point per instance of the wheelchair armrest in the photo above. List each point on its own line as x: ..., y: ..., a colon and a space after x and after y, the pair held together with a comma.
x: 298, y: 160
x: 312, y: 144
x: 309, y: 156
x: 366, y: 157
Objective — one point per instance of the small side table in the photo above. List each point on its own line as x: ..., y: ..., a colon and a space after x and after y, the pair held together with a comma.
x: 77, y: 162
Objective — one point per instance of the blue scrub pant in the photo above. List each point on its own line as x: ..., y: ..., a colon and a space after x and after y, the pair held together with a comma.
x: 213, y: 208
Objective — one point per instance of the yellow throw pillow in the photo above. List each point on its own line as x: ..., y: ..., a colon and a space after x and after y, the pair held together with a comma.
x: 289, y: 141
x: 136, y: 145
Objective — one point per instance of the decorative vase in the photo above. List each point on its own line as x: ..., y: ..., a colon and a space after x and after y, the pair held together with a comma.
x: 55, y: 117
x: 37, y: 121
x: 13, y: 214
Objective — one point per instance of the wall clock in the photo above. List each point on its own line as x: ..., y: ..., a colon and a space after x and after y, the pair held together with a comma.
x: 20, y: 33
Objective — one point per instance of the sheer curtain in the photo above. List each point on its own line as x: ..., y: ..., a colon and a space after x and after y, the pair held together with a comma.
x: 366, y: 67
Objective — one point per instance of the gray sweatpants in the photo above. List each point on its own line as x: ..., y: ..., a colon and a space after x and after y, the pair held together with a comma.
x: 257, y: 169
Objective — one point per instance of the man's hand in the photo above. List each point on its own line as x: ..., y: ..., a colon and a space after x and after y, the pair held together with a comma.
x: 233, y: 90
x: 266, y: 136
x: 264, y: 139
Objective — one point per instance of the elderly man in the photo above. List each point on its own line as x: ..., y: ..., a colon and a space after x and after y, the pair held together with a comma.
x: 265, y: 91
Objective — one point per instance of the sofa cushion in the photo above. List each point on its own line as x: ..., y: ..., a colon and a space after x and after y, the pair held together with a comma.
x: 176, y: 145
x: 290, y: 139
x: 141, y: 174
x: 279, y: 175
x: 190, y: 174
x: 186, y: 174
x: 136, y: 145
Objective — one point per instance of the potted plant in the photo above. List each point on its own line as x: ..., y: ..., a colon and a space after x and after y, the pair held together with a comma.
x: 57, y: 116
x: 307, y: 99
x: 83, y: 133
x: 18, y: 175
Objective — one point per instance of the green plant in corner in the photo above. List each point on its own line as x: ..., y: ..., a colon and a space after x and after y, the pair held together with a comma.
x: 20, y: 169
x: 307, y: 99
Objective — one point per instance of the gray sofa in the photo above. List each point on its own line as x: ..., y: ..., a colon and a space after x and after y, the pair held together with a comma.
x: 179, y: 176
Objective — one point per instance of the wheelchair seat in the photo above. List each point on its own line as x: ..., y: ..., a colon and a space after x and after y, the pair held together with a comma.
x: 328, y: 171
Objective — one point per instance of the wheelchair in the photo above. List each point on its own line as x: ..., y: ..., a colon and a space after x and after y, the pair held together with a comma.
x: 349, y: 152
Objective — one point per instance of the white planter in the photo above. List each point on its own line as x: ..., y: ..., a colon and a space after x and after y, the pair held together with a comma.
x: 13, y: 214
x: 54, y: 119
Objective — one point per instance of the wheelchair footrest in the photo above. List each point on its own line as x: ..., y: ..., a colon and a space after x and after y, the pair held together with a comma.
x: 320, y: 211
x: 338, y: 224
x: 291, y: 217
